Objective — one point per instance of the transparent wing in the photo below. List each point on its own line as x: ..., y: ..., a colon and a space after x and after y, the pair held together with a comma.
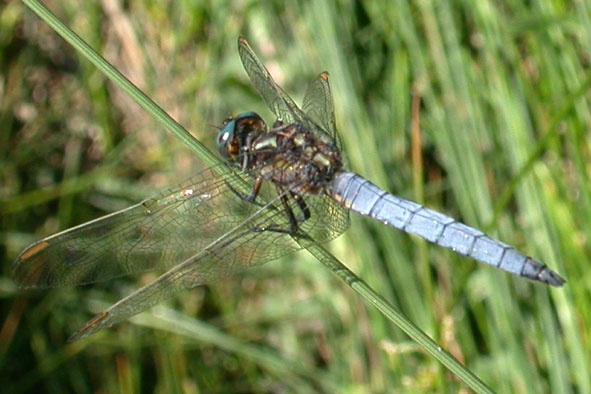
x: 318, y: 105
x: 277, y: 100
x: 232, y: 252
x: 156, y: 233
x: 159, y: 232
x: 318, y: 114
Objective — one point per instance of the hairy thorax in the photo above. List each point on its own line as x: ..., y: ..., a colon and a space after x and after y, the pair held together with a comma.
x: 295, y: 158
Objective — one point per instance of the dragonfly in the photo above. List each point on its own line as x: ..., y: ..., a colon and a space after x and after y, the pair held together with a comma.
x: 276, y: 190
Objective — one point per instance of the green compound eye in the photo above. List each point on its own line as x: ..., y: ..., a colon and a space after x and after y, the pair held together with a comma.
x: 225, y: 135
x: 235, y: 129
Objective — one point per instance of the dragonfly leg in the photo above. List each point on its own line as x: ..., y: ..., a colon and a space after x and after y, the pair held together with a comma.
x: 254, y: 191
x: 293, y: 221
x: 291, y: 218
x: 302, y: 204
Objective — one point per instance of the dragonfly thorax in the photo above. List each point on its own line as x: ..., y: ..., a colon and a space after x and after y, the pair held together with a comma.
x: 289, y: 155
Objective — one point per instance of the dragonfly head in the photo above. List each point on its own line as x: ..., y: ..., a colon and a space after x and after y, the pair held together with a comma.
x: 237, y: 132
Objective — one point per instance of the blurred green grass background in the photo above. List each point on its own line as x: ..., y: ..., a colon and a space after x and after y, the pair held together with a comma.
x: 504, y: 111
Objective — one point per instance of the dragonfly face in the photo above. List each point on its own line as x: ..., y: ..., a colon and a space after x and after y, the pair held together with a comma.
x: 236, y: 134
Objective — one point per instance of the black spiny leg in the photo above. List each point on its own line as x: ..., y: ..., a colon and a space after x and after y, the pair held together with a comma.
x: 293, y: 222
x: 254, y: 191
x: 302, y: 204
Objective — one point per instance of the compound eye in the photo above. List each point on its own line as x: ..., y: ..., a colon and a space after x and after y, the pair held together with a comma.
x: 250, y: 116
x: 225, y: 137
x: 235, y: 133
x: 248, y: 122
